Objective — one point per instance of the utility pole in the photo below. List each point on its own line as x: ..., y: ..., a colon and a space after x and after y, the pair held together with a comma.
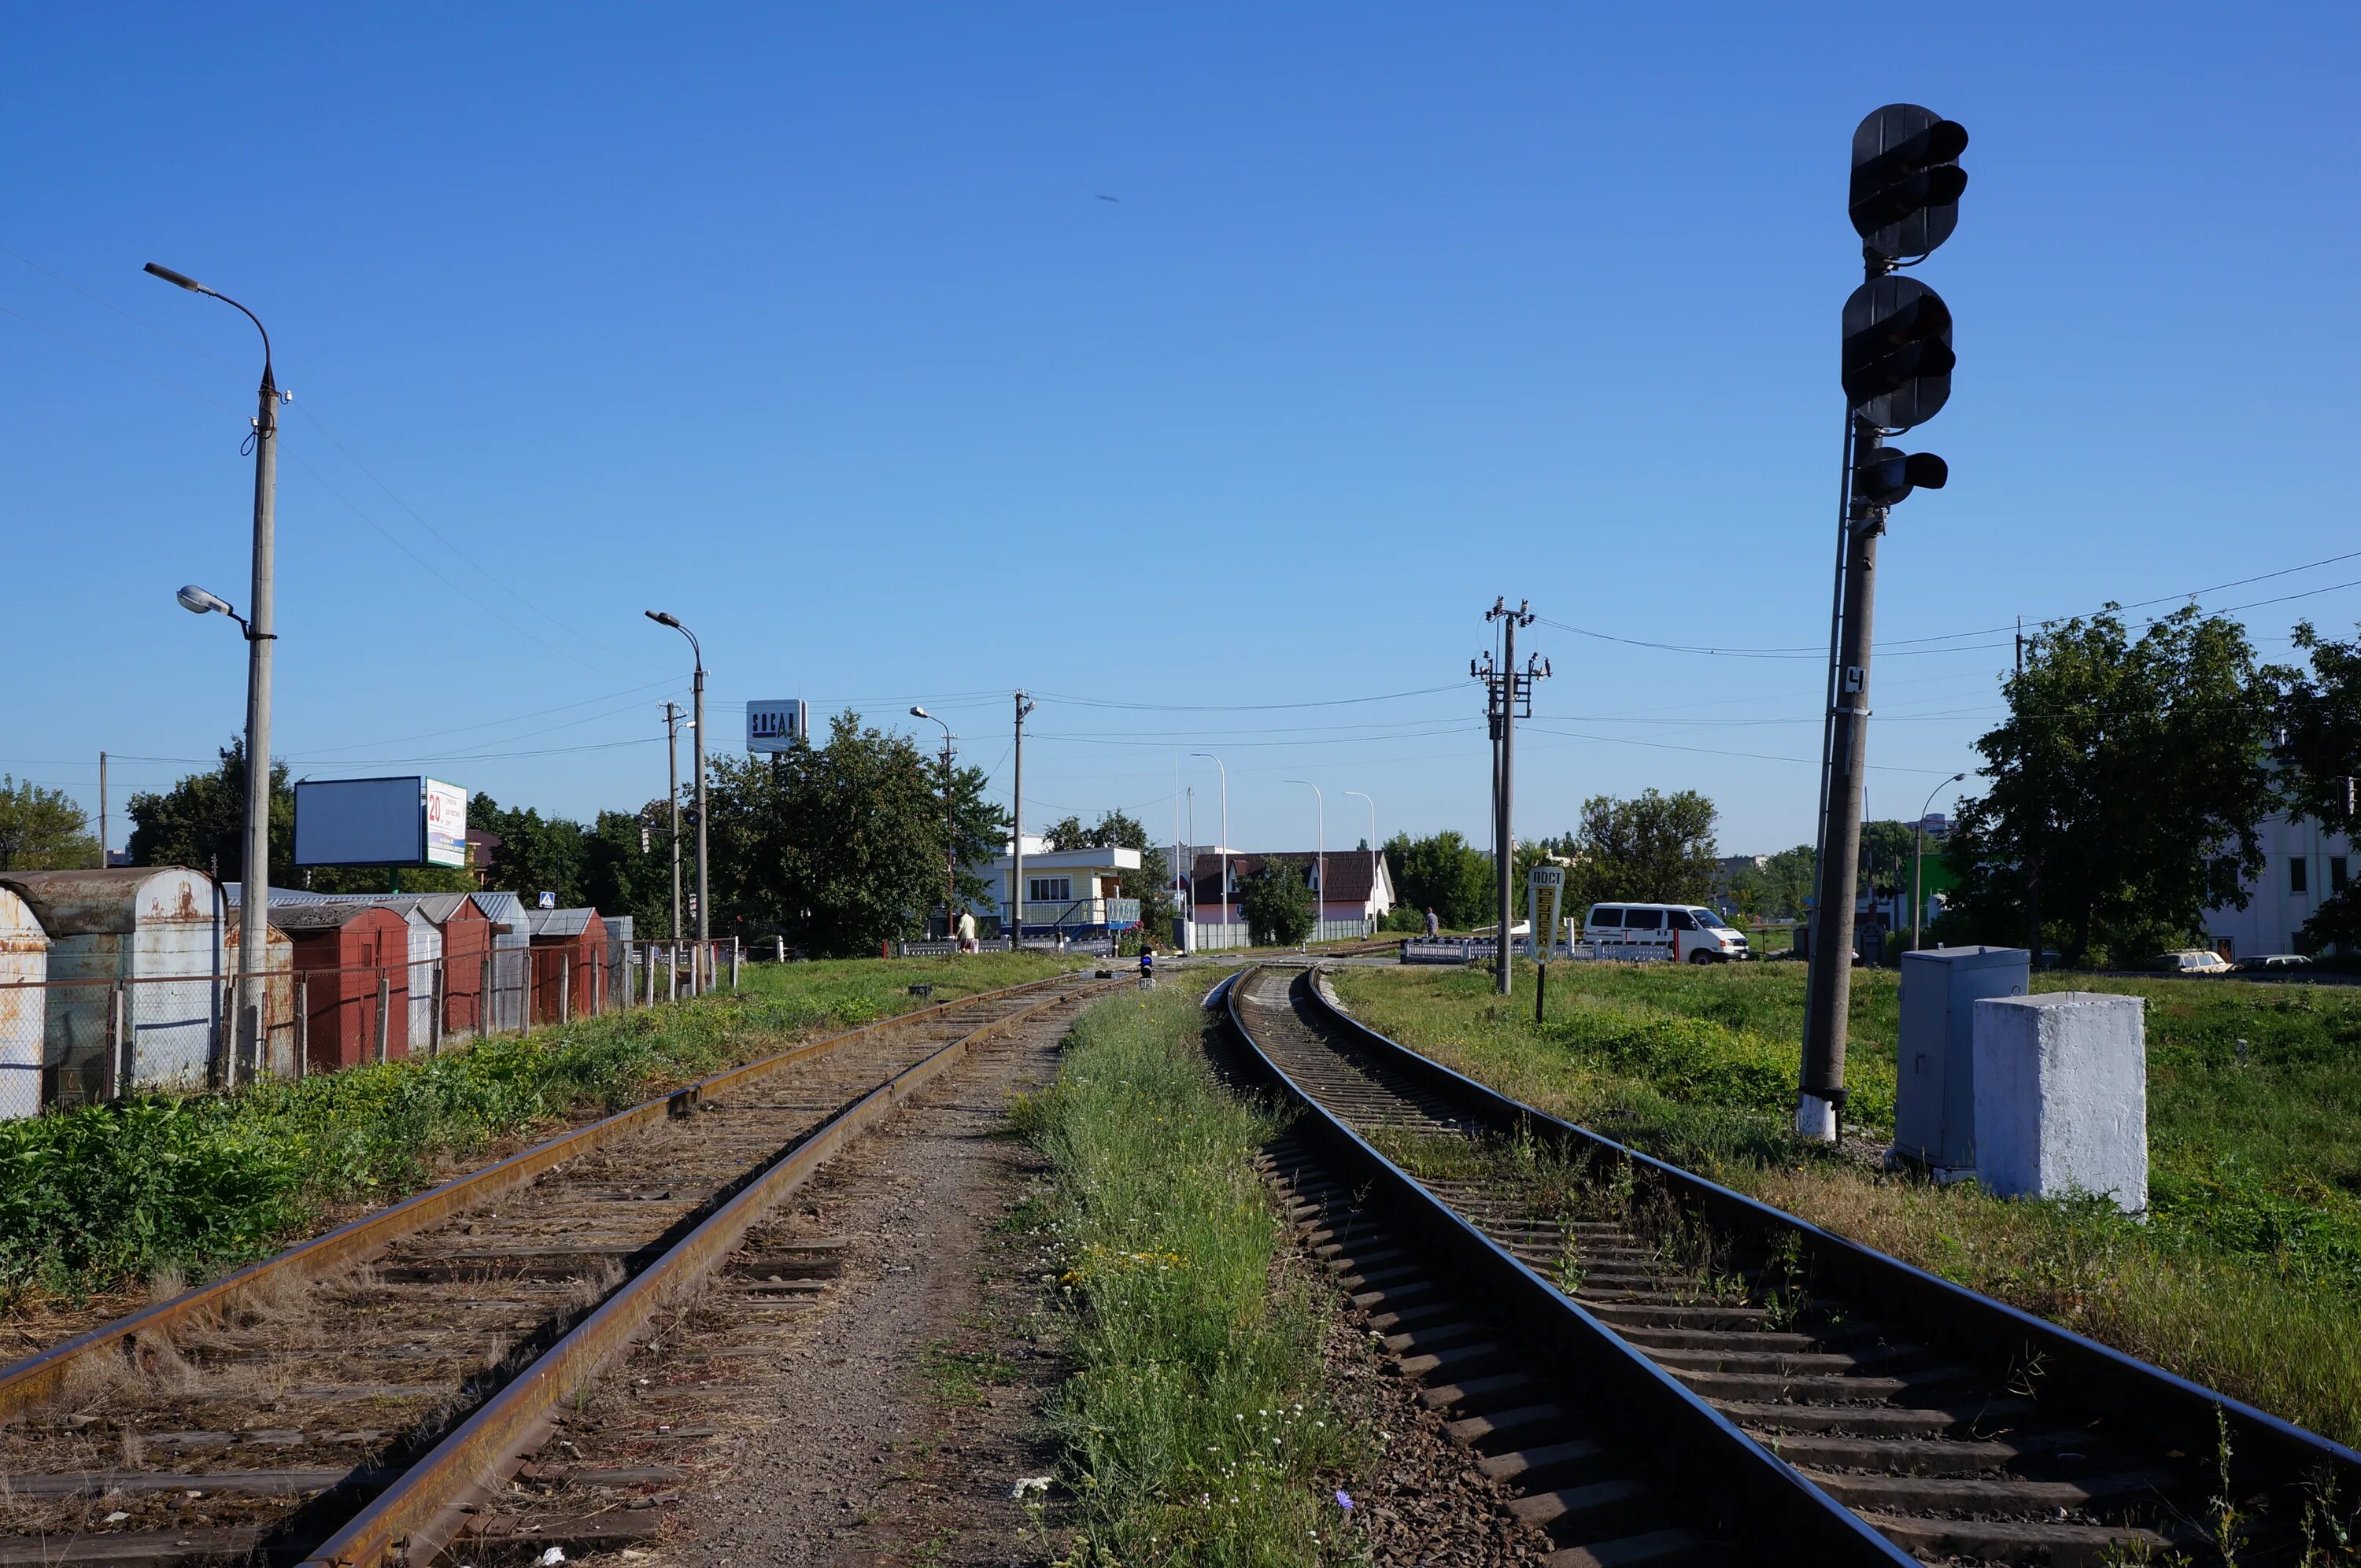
x: 672, y: 794
x: 101, y: 811
x: 254, y: 909
x: 696, y: 722
x: 1508, y: 696
x: 1016, y: 832
x: 1896, y: 361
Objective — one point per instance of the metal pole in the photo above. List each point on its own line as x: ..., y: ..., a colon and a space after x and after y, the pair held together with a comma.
x: 704, y: 903
x: 1373, y: 843
x: 1017, y: 834
x: 672, y: 794
x: 1828, y: 707
x: 302, y: 1027
x: 951, y: 846
x: 384, y: 1013
x: 1504, y: 836
x: 101, y: 811
x: 1820, y: 1104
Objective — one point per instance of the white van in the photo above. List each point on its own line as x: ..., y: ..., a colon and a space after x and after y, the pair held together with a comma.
x: 1684, y: 933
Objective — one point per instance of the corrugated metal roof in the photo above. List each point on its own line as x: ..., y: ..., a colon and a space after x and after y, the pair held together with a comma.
x: 295, y: 918
x: 561, y: 922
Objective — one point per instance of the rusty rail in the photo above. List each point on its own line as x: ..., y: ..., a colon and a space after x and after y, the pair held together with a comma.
x: 35, y: 1379
x: 414, y: 1518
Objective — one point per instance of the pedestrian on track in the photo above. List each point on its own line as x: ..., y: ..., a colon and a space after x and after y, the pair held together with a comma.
x: 1432, y: 925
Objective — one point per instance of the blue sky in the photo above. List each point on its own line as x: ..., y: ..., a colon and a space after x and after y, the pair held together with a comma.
x: 809, y: 325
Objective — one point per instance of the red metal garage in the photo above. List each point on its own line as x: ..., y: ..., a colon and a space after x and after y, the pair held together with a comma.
x: 568, y: 946
x: 342, y: 952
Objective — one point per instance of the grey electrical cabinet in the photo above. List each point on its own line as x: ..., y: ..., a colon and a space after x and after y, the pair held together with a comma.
x: 1934, y: 1068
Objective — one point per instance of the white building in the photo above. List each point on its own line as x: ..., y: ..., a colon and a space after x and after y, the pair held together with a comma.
x: 1068, y: 892
x: 2302, y: 865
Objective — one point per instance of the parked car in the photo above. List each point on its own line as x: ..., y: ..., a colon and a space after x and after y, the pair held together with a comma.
x: 2191, y: 960
x: 1685, y: 933
x: 2279, y: 963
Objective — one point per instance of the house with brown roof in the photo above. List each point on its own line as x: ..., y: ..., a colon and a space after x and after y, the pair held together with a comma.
x: 1358, y: 885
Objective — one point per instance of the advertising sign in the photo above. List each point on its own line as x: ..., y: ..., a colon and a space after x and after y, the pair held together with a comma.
x: 360, y: 822
x: 446, y: 824
x: 777, y: 726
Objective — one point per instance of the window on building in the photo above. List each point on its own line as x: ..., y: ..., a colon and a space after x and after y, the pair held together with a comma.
x: 1048, y: 889
x: 2297, y: 879
x: 2338, y: 878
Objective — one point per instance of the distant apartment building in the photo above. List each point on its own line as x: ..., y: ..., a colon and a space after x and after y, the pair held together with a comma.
x: 2302, y: 865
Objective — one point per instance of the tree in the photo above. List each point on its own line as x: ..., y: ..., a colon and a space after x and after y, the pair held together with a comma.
x: 1277, y: 903
x: 1657, y: 849
x: 200, y: 822
x: 538, y: 854
x: 837, y: 846
x: 2320, y: 756
x: 1441, y: 872
x: 41, y: 829
x: 2125, y: 786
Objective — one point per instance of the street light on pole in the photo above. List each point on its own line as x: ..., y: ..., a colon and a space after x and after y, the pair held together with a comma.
x: 950, y: 847
x: 1225, y: 837
x: 697, y: 721
x: 1319, y: 817
x: 1918, y: 857
x: 254, y: 908
x: 1373, y: 845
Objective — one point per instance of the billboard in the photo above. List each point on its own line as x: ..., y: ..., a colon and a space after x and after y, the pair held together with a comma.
x: 408, y: 821
x: 446, y: 824
x: 777, y: 726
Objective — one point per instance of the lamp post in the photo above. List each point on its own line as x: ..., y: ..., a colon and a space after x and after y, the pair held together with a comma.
x: 1373, y: 845
x: 1319, y: 818
x: 1918, y: 857
x: 1226, y: 835
x: 254, y: 909
x: 697, y: 722
x: 950, y: 847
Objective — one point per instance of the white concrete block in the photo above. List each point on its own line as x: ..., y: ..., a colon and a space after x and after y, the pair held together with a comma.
x: 2062, y: 1096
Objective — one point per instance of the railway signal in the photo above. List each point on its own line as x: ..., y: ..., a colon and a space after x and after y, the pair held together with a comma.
x: 1895, y: 362
x: 1897, y: 359
x: 1906, y: 180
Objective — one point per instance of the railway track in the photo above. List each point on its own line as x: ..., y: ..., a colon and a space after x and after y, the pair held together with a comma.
x: 1670, y: 1371
x: 352, y: 1400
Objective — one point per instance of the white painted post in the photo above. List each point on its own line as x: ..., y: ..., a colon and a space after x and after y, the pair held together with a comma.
x: 440, y: 998
x: 384, y: 1011
x: 735, y: 951
x: 565, y: 988
x: 671, y: 972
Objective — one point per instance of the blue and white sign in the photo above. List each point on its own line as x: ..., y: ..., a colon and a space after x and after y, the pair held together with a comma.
x: 777, y: 726
x: 546, y: 901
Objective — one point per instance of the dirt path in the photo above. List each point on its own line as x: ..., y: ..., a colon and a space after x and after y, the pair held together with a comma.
x: 887, y: 1422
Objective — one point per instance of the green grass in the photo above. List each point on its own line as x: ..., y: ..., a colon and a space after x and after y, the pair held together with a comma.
x: 2247, y: 1277
x: 1192, y: 1426
x: 100, y: 1198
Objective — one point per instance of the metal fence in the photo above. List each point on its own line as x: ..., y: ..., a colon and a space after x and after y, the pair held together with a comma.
x: 78, y: 1042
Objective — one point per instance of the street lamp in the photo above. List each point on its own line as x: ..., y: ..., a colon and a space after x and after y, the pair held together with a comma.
x: 1226, y: 840
x: 950, y: 847
x: 1319, y: 817
x: 703, y: 914
x: 254, y: 908
x: 1373, y: 845
x: 1918, y: 857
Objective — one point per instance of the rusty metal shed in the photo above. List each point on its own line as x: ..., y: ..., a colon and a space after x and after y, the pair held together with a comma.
x: 24, y: 1011
x: 278, y: 994
x: 157, y: 930
x: 342, y: 952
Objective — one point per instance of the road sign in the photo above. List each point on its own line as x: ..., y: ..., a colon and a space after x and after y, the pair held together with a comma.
x: 777, y: 726
x: 1544, y: 888
x: 546, y: 901
x: 1906, y: 180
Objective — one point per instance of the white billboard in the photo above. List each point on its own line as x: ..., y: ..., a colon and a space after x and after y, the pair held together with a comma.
x: 777, y: 726
x: 446, y: 824
x: 408, y: 821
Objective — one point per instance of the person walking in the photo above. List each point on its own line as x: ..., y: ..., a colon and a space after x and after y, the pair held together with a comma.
x: 1432, y: 925
x: 967, y: 931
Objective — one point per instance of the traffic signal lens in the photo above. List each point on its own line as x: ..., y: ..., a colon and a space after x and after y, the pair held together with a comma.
x: 1884, y: 475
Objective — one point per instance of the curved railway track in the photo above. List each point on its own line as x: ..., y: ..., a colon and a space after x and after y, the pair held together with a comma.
x: 1670, y: 1371
x: 349, y: 1401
